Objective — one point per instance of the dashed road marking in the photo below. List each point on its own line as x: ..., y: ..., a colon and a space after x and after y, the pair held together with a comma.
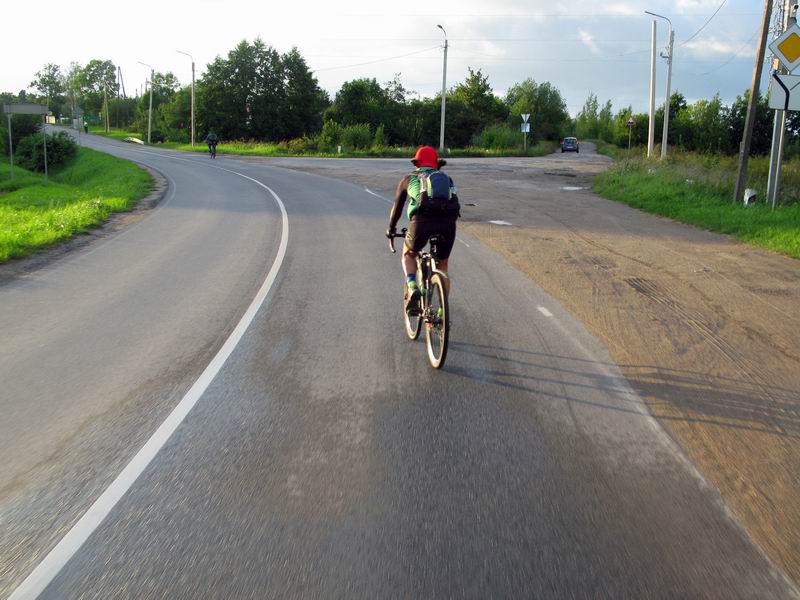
x: 544, y: 311
x: 369, y: 191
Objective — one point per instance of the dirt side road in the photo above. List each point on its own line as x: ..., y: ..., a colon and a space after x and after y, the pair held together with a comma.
x: 705, y: 328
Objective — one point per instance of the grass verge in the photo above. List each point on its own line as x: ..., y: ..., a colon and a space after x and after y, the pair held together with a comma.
x: 35, y: 213
x: 277, y: 149
x: 697, y: 189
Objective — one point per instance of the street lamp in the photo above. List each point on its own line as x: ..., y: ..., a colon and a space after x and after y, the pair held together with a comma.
x: 150, y: 111
x: 444, y: 85
x: 190, y: 56
x: 669, y: 81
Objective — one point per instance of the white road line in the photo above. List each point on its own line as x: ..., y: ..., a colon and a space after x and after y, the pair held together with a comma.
x: 51, y: 565
x: 369, y: 191
x: 463, y: 242
x: 544, y: 311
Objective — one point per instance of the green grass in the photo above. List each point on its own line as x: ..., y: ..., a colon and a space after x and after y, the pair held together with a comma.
x: 698, y: 189
x: 35, y: 213
x: 277, y: 149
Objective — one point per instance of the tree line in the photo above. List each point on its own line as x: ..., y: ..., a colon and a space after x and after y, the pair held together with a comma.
x: 702, y: 126
x: 257, y: 93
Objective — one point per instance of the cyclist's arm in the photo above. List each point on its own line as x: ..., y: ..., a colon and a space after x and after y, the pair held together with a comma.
x: 399, y: 201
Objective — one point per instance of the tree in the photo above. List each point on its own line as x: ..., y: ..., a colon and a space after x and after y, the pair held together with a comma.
x: 243, y: 96
x: 586, y: 122
x: 762, y: 127
x: 305, y: 100
x: 549, y: 116
x: 50, y: 83
x: 476, y: 95
x: 93, y: 81
x: 359, y: 101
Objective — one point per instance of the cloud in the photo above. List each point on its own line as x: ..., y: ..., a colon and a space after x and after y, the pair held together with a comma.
x: 714, y: 48
x: 588, y: 41
x: 622, y: 8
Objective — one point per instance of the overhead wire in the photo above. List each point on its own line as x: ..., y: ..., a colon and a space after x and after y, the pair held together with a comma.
x: 372, y: 62
x: 731, y: 59
x: 696, y: 33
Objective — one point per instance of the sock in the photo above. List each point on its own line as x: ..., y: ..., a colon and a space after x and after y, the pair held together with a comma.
x: 411, y: 281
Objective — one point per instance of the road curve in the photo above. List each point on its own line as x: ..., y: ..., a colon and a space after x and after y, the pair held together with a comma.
x: 325, y: 458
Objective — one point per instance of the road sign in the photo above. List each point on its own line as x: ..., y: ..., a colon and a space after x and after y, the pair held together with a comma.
x: 525, y: 117
x: 525, y: 127
x: 631, y: 122
x: 786, y: 47
x: 784, y: 92
x: 25, y: 109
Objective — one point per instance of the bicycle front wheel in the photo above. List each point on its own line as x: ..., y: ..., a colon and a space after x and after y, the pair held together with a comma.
x: 437, y: 322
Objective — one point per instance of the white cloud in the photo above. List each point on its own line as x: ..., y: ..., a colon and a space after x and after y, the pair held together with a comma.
x: 714, y: 48
x: 588, y: 41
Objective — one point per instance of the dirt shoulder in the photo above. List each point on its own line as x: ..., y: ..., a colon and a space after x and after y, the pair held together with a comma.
x: 705, y: 328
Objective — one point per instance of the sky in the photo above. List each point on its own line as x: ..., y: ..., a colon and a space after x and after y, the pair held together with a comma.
x: 581, y: 46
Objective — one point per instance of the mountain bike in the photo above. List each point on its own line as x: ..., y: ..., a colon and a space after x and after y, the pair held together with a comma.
x: 434, y: 310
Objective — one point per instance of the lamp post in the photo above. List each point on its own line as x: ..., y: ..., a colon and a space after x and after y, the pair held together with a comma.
x: 669, y: 82
x: 444, y: 86
x: 192, y: 59
x: 150, y: 110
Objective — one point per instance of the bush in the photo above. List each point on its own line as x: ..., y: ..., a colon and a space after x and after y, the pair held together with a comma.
x: 379, y: 141
x: 331, y: 134
x: 29, y: 153
x: 21, y: 127
x: 498, y: 137
x: 356, y: 136
x: 302, y: 145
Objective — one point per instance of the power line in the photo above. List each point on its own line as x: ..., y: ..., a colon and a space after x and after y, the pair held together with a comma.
x: 372, y: 62
x: 731, y: 59
x: 694, y: 35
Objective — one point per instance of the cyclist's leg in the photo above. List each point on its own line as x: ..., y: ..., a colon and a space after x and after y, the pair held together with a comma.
x: 416, y: 238
x: 446, y: 229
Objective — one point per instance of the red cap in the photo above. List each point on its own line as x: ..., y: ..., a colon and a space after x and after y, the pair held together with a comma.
x: 426, y: 157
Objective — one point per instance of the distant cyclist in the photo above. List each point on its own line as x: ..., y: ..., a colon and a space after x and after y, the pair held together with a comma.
x: 212, y: 140
x: 433, y: 210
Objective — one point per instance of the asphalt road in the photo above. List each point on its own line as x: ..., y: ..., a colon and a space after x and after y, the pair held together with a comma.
x: 324, y: 458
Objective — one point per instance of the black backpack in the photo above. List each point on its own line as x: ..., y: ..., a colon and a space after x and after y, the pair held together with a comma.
x: 437, y: 195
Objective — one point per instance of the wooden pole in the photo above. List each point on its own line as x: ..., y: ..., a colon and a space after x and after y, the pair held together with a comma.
x: 749, y: 122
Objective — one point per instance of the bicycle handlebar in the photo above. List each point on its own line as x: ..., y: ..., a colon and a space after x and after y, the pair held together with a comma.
x: 402, y: 234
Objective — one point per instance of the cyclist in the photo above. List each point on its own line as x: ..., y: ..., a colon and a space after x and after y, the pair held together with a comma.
x: 211, y: 140
x: 425, y: 221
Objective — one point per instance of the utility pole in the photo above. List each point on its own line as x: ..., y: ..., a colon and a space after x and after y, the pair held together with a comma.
x: 669, y: 83
x: 784, y: 19
x: 192, y: 108
x: 668, y: 56
x: 10, y: 149
x: 747, y: 136
x: 651, y: 130
x: 444, y: 90
x: 150, y: 111
x: 105, y: 101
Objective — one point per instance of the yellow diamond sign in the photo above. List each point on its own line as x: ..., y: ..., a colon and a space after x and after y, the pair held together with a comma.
x: 786, y: 48
x: 790, y: 47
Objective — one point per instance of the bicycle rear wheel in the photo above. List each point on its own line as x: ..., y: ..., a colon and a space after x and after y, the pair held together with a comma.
x: 437, y: 322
